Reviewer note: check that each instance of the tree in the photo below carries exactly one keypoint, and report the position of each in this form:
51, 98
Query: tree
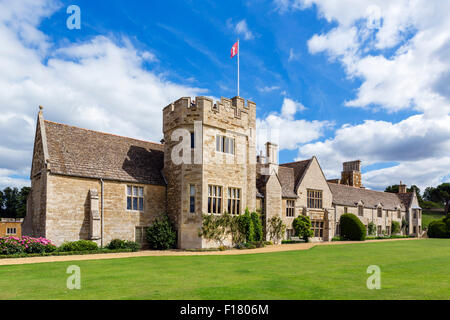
276, 229
440, 194
395, 187
10, 202
302, 227
13, 203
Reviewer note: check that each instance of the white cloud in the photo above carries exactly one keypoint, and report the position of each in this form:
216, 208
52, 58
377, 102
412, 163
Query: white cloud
99, 84
287, 132
241, 28
399, 51
290, 108
412, 142
268, 89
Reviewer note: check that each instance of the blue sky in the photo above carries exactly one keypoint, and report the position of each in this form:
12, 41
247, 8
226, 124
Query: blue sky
336, 88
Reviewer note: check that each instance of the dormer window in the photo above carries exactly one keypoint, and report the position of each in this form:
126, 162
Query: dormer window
360, 210
380, 212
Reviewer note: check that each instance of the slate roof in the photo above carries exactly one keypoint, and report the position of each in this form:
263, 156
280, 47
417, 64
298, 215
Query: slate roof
86, 153
350, 196
406, 198
287, 180
299, 167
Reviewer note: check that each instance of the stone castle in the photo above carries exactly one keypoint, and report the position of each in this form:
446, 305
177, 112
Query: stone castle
98, 186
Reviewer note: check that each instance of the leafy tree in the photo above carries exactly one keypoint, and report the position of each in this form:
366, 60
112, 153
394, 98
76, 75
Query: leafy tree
276, 229
13, 203
302, 227
439, 194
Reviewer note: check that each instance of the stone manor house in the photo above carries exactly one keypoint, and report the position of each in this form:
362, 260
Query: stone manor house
92, 185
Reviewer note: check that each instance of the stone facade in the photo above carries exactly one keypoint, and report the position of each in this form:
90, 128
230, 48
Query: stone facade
207, 163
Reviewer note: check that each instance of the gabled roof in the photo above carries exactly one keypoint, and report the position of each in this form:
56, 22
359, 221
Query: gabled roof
85, 153
406, 198
350, 196
299, 168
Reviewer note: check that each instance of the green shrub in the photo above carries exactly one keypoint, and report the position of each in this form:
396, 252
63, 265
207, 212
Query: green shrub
257, 227
437, 229
371, 228
395, 227
161, 235
302, 227
292, 241
80, 245
352, 228
246, 227
123, 244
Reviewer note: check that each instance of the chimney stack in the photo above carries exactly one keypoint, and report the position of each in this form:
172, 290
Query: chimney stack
351, 173
401, 188
272, 153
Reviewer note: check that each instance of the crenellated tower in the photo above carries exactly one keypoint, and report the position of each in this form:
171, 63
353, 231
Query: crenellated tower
209, 161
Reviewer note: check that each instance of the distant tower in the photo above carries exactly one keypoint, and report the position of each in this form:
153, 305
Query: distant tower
221, 175
351, 174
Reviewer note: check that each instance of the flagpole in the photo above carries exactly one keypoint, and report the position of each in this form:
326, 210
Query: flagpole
239, 49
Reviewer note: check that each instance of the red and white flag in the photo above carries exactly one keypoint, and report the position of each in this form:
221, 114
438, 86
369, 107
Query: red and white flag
234, 49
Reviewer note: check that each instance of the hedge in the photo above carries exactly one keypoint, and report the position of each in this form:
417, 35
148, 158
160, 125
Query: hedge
352, 228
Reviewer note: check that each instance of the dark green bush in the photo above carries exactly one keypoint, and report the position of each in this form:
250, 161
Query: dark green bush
123, 244
302, 227
80, 245
161, 235
352, 228
437, 229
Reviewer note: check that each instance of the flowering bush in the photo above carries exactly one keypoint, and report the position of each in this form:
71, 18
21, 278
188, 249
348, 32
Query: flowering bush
14, 245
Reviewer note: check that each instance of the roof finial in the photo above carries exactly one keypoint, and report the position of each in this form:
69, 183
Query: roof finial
41, 108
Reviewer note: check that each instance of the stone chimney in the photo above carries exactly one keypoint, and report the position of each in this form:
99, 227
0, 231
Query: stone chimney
351, 173
401, 188
272, 153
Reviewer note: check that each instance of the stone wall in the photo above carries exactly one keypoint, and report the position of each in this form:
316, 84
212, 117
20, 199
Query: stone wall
68, 209
370, 215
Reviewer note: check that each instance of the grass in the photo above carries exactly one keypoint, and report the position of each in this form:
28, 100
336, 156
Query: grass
412, 269
428, 216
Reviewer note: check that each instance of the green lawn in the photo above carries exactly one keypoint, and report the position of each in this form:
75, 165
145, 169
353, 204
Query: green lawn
413, 269
428, 216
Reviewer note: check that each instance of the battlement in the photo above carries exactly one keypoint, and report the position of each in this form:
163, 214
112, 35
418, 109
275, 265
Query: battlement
233, 112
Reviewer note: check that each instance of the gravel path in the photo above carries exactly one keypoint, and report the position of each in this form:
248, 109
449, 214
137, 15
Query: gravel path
154, 253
